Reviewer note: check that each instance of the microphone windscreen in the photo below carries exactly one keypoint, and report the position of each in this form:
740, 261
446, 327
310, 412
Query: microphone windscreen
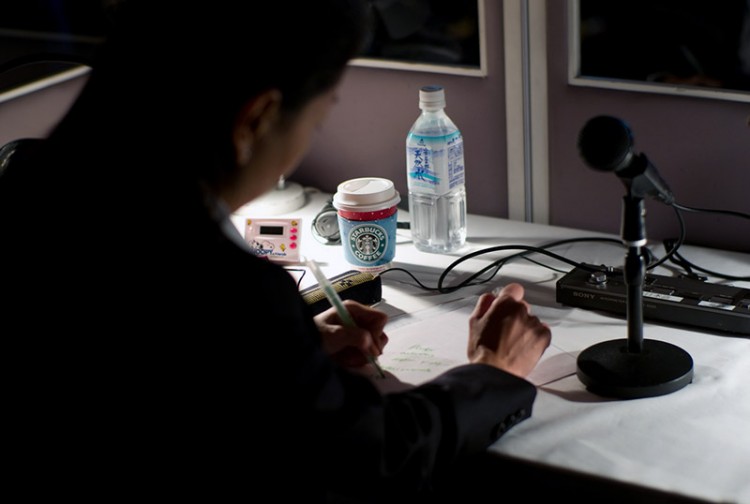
605, 143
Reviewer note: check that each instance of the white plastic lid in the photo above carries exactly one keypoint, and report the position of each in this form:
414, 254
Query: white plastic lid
365, 194
431, 97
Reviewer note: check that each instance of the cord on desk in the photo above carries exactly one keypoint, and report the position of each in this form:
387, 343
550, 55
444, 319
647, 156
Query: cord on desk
730, 213
299, 280
493, 268
673, 244
671, 247
688, 266
475, 279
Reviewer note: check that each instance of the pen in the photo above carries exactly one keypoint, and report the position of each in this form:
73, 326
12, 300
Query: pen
335, 300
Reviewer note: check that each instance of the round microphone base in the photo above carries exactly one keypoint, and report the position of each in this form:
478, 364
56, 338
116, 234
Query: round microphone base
609, 369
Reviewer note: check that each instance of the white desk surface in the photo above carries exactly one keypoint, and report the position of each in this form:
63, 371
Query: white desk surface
694, 442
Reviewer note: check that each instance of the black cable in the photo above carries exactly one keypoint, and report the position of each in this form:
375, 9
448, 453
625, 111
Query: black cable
299, 280
418, 282
496, 265
688, 266
672, 249
538, 263
713, 273
524, 255
671, 246
502, 261
730, 213
675, 257
685, 265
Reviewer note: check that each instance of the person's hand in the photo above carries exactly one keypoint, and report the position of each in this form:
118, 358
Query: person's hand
350, 346
503, 334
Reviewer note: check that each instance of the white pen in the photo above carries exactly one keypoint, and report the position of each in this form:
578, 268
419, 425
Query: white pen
336, 302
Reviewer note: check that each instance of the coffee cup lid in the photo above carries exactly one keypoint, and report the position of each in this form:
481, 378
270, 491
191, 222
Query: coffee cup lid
365, 194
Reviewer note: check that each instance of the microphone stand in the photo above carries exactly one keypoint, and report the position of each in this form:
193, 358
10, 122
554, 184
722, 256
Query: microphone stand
634, 236
634, 367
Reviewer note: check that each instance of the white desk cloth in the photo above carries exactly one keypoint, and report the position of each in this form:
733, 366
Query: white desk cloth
694, 442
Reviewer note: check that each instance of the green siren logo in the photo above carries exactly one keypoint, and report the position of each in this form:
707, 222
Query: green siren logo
368, 242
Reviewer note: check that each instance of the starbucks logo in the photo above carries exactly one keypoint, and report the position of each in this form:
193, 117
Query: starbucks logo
368, 242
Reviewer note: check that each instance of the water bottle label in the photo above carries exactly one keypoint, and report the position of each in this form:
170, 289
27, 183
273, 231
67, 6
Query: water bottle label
435, 163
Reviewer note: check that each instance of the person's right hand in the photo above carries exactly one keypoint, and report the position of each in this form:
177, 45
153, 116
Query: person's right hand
350, 346
503, 334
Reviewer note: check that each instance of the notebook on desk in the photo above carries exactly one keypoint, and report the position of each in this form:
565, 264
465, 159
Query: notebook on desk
427, 343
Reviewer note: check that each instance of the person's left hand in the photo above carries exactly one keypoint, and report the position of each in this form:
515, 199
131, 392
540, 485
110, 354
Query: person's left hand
350, 346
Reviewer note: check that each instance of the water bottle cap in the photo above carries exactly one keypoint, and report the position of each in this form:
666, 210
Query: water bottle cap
431, 97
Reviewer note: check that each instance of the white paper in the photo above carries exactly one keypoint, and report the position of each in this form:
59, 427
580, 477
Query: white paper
436, 340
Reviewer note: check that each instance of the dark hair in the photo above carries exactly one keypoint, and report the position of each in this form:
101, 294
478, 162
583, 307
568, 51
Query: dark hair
177, 72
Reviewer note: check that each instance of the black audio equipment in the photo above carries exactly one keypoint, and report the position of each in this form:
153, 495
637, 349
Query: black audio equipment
676, 300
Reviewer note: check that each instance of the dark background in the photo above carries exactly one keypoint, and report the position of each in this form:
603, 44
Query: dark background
688, 42
33, 33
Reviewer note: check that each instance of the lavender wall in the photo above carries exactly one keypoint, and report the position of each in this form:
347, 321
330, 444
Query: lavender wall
366, 133
34, 114
700, 146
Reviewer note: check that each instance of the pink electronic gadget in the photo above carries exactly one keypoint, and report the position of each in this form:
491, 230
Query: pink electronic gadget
274, 239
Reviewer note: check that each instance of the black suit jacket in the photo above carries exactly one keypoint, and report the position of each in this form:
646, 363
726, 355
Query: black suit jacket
162, 359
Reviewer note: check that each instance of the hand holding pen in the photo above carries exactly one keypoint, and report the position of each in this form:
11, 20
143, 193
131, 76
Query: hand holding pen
351, 333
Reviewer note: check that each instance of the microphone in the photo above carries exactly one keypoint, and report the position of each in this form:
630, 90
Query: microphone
634, 367
606, 144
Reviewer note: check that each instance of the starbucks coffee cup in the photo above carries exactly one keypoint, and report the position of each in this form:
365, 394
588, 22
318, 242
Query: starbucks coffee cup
367, 213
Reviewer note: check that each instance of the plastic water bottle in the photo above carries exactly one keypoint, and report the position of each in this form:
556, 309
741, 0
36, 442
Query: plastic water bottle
435, 176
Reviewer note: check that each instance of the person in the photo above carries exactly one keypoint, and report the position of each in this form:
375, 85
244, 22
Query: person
156, 356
